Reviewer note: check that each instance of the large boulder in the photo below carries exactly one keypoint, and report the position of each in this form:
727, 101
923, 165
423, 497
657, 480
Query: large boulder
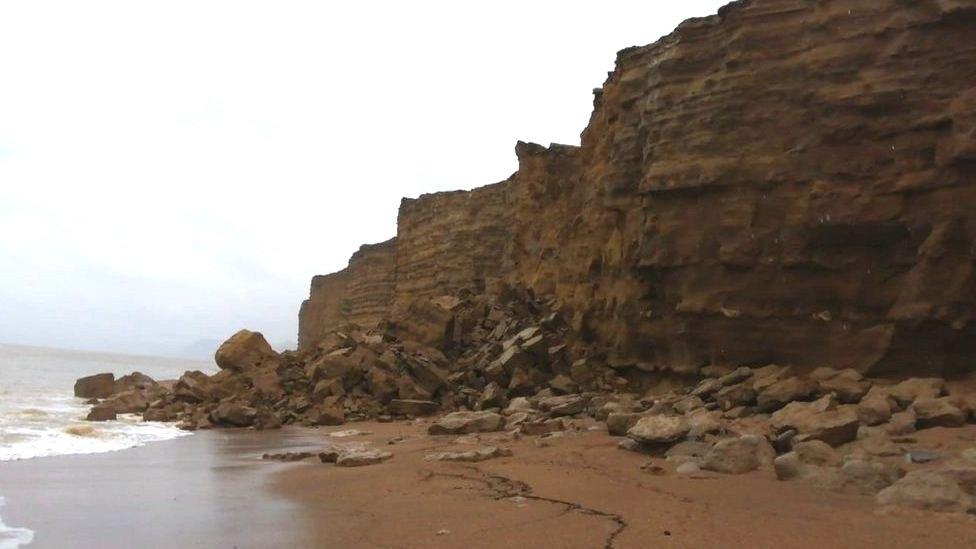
329, 412
361, 458
937, 412
849, 386
875, 407
659, 429
96, 386
458, 423
129, 402
944, 491
135, 380
739, 455
245, 350
429, 322
232, 414
618, 423
785, 391
101, 412
193, 386
914, 388
565, 405
818, 420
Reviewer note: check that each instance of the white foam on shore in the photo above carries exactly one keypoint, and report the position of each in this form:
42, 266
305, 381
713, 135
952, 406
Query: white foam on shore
41, 425
11, 537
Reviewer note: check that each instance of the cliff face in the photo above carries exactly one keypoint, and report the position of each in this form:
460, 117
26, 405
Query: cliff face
787, 181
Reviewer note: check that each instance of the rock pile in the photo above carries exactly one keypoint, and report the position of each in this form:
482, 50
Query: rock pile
464, 352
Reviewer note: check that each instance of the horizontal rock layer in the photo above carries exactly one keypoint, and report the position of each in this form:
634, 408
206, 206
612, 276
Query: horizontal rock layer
787, 181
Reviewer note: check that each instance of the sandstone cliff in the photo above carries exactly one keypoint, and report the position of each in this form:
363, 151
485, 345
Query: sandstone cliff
788, 181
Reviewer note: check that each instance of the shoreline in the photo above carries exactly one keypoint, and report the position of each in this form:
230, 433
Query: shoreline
575, 490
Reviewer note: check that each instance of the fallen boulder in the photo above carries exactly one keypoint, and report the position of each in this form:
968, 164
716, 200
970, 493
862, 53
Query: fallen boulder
233, 415
739, 455
937, 412
459, 423
102, 412
361, 458
243, 351
943, 491
470, 456
96, 386
659, 429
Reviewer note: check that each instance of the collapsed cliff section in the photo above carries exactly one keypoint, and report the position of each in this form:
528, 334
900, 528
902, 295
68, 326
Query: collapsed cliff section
784, 182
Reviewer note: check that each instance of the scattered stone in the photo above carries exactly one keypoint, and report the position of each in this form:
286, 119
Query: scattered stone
902, 423
659, 429
815, 421
937, 412
689, 448
788, 466
563, 385
544, 427
908, 391
817, 452
921, 456
361, 458
653, 468
849, 386
411, 407
943, 491
618, 424
233, 414
458, 423
875, 408
688, 468
348, 433
471, 456
631, 445
330, 412
566, 405
688, 404
783, 443
519, 404
868, 477
783, 392
703, 422
288, 456
738, 455
732, 396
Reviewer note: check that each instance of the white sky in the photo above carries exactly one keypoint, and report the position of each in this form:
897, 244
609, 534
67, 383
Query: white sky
171, 171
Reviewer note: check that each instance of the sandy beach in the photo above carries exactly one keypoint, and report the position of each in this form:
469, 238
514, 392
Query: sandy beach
580, 490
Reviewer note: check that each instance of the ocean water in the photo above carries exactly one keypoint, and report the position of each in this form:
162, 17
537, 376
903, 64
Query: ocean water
40, 416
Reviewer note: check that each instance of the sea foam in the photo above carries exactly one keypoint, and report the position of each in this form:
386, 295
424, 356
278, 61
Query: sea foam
53, 424
11, 537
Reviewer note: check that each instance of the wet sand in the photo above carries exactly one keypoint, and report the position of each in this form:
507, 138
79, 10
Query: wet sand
211, 490
206, 490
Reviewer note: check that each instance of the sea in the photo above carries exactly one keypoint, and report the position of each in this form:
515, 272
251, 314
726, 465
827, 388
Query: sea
40, 416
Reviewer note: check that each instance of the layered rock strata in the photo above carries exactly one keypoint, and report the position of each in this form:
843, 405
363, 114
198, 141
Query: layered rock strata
786, 181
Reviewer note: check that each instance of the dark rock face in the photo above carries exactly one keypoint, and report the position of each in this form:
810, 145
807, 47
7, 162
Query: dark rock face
96, 386
784, 182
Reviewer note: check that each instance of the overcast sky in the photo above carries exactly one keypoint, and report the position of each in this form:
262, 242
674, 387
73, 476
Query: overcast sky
173, 171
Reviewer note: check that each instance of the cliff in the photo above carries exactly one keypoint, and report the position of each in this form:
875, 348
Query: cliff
784, 182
